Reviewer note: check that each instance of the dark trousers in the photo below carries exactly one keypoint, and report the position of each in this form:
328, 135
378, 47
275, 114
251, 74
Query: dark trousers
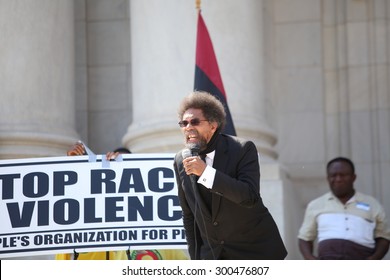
339, 249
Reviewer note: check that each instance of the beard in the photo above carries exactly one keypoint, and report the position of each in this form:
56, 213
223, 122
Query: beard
200, 143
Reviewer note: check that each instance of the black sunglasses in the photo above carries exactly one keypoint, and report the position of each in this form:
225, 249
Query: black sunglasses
193, 122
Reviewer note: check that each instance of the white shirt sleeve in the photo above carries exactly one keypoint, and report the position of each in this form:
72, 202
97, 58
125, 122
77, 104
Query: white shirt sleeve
207, 178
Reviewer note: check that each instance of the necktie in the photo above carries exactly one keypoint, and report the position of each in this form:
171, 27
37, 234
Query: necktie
203, 157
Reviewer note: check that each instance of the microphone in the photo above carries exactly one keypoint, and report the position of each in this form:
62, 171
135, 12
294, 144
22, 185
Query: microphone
186, 153
191, 151
194, 148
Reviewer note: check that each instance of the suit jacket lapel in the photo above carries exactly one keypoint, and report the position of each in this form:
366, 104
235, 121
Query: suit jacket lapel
221, 159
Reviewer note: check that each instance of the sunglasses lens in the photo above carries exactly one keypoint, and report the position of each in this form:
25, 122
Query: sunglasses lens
195, 122
183, 123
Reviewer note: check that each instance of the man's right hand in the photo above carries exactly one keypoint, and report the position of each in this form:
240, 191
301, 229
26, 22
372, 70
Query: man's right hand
76, 150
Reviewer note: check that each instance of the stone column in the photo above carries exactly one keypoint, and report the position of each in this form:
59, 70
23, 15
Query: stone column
237, 30
36, 78
163, 35
163, 63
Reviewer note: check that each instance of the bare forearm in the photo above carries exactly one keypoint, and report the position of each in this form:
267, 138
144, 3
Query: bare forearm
381, 248
306, 248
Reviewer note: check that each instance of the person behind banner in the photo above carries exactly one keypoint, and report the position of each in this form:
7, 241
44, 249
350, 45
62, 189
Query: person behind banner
78, 149
223, 213
346, 224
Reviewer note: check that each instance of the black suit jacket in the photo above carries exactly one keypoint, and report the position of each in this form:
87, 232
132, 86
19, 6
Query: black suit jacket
236, 225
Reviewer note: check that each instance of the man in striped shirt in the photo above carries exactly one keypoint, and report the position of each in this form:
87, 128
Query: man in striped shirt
345, 223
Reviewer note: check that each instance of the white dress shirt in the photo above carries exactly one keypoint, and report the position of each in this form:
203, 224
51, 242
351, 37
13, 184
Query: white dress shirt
208, 175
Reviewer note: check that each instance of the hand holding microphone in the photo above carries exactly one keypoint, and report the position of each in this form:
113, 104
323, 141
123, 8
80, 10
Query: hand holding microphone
193, 165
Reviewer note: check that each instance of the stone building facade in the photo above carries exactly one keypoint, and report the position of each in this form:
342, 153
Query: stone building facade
306, 80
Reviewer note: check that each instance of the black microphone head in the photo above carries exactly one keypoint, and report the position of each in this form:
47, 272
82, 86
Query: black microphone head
186, 153
194, 148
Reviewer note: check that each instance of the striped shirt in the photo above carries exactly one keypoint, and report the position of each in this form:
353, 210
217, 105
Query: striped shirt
360, 220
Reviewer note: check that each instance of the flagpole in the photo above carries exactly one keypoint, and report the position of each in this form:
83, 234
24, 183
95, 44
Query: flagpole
197, 5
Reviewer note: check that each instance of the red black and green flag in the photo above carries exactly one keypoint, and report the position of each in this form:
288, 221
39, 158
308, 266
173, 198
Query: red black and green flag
207, 76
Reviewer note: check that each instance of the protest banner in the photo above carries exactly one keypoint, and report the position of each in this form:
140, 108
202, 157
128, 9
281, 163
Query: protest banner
61, 204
